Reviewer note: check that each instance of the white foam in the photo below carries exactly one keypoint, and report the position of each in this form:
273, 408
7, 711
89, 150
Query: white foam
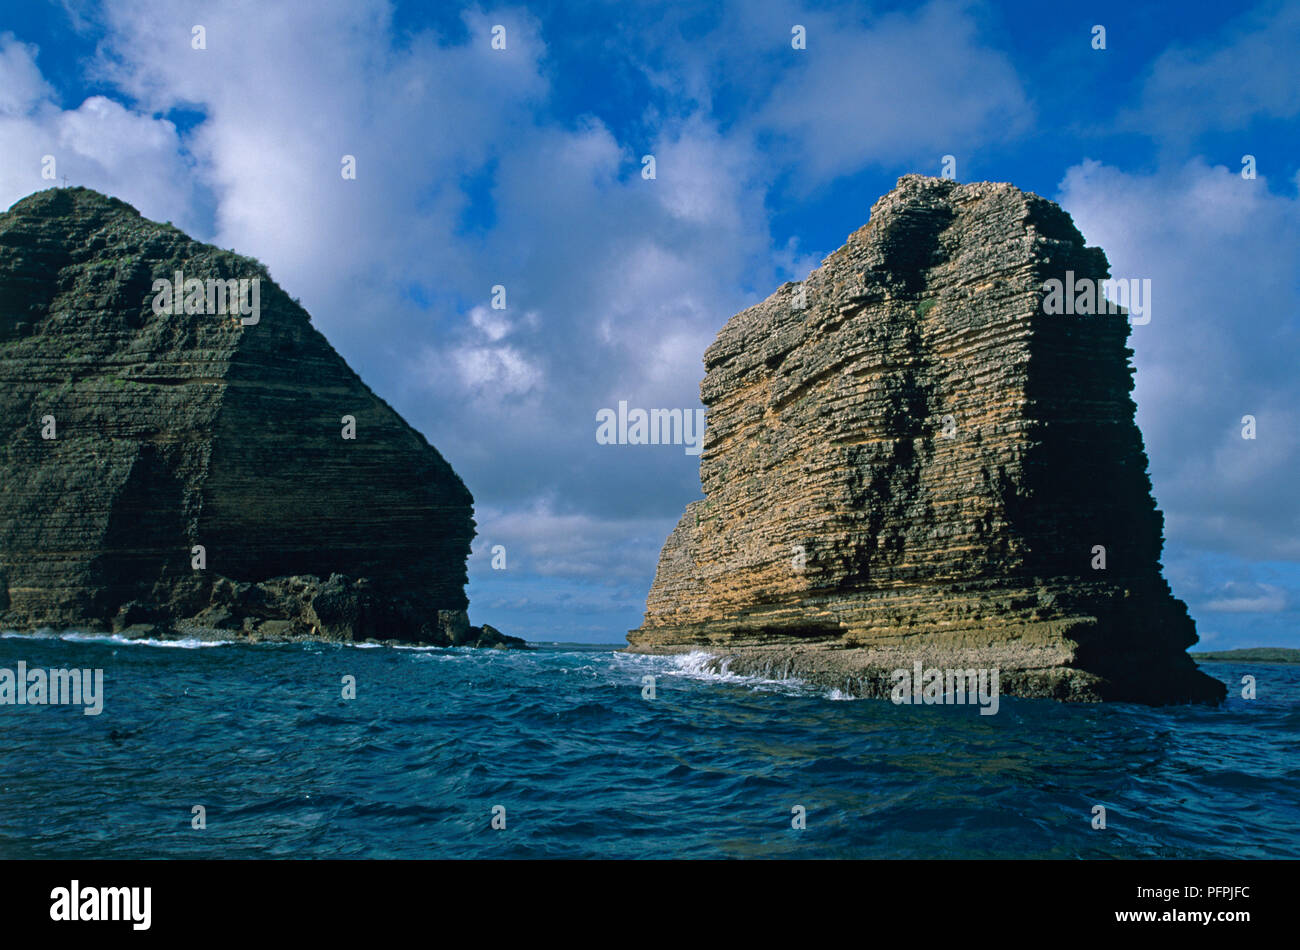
184, 643
116, 639
708, 667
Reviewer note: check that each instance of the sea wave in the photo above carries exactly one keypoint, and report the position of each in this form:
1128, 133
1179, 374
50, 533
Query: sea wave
703, 666
116, 639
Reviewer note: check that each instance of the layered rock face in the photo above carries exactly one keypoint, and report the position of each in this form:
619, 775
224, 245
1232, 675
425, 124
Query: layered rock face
129, 437
916, 463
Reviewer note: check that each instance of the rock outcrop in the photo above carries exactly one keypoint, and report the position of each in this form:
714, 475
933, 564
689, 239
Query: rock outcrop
192, 472
908, 460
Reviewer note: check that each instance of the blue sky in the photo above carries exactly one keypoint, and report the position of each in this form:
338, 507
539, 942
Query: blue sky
521, 167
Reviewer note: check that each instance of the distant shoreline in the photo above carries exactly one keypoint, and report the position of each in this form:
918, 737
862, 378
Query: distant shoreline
1252, 655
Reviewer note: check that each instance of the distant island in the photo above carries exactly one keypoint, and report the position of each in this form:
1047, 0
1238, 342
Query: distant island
183, 453
925, 453
1252, 655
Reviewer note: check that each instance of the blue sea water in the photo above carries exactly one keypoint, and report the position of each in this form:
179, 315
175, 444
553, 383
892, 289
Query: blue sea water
584, 766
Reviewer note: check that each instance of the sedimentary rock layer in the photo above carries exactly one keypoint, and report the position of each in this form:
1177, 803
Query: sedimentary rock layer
907, 459
129, 437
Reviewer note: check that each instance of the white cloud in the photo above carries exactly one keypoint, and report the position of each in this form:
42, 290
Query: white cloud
900, 87
22, 87
541, 540
1250, 70
501, 370
1223, 255
1248, 598
491, 323
101, 144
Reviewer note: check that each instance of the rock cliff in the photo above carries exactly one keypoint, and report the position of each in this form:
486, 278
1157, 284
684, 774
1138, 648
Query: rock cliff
193, 472
907, 459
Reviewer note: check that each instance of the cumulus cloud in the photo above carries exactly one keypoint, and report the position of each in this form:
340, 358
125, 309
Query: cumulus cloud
543, 540
1249, 71
1223, 256
101, 144
24, 87
502, 370
840, 108
1248, 598
872, 88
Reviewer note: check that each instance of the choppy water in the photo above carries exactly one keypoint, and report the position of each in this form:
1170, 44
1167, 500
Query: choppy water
584, 766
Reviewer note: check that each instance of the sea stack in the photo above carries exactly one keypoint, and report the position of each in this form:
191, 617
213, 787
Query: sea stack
913, 457
181, 452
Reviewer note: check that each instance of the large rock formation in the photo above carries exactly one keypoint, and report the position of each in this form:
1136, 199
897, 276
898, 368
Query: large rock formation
131, 438
921, 464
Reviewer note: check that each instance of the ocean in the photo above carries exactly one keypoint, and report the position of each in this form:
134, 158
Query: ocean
556, 753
